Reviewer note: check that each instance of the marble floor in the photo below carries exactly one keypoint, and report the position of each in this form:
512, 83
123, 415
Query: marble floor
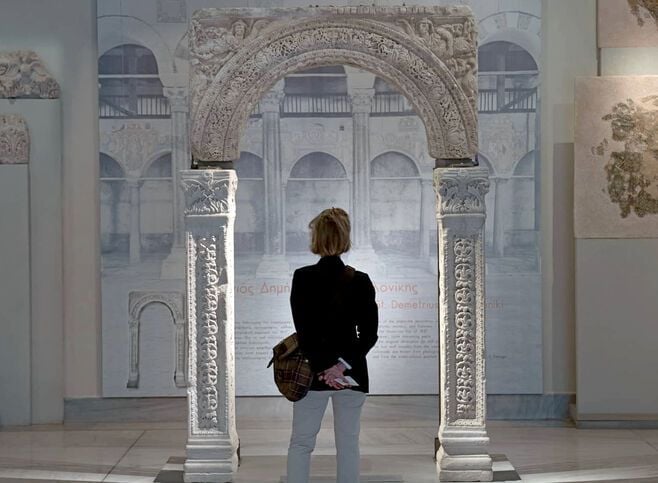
396, 444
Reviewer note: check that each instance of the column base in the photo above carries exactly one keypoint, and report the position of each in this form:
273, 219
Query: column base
273, 266
463, 455
366, 260
213, 460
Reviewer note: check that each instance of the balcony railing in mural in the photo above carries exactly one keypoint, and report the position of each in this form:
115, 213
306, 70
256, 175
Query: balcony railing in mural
387, 104
512, 100
149, 106
298, 105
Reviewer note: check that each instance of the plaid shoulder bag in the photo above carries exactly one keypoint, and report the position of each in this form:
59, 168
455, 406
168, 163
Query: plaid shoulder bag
292, 372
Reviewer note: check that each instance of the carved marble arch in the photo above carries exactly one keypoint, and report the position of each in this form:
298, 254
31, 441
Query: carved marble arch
412, 48
174, 302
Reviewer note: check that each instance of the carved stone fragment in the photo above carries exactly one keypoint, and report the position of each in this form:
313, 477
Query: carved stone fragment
14, 139
23, 75
463, 454
428, 53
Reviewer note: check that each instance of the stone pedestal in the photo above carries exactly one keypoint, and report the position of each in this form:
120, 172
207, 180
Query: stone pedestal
463, 454
212, 440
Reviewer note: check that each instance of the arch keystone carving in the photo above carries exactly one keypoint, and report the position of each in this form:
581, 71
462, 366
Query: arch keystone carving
428, 53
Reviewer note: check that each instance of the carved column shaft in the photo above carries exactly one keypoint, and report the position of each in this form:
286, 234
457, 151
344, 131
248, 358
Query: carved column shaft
274, 226
361, 107
463, 436
209, 219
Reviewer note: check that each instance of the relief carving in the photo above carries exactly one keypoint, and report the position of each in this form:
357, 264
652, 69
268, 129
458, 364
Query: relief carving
632, 174
23, 75
461, 191
465, 327
396, 43
213, 194
644, 9
14, 139
209, 278
213, 42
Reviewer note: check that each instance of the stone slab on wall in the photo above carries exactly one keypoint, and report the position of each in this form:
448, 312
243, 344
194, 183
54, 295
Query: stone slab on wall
627, 23
617, 330
616, 179
14, 296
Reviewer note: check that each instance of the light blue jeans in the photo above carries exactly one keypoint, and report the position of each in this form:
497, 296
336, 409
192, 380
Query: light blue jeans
306, 420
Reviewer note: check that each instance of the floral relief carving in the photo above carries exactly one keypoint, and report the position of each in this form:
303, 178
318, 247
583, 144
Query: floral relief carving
226, 89
213, 194
14, 139
644, 9
23, 75
462, 191
465, 320
632, 172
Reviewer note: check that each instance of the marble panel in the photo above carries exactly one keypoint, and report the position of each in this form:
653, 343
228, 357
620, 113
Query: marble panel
616, 169
627, 23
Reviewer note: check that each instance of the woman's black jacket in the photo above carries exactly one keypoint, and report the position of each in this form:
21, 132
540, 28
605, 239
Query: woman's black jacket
335, 316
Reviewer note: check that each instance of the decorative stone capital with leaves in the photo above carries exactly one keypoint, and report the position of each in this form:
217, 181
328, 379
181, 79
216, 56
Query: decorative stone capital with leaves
209, 192
23, 75
461, 190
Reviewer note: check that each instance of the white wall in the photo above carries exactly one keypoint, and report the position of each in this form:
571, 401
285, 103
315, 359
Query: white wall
569, 50
616, 303
63, 33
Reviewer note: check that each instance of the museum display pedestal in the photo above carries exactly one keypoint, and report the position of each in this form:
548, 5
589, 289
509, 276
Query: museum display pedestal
212, 441
460, 213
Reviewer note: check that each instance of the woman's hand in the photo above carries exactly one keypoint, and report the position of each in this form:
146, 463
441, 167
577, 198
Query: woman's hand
330, 376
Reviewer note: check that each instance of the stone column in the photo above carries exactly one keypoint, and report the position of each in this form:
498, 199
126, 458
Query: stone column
212, 440
460, 208
134, 243
273, 263
426, 215
173, 266
362, 253
361, 107
499, 220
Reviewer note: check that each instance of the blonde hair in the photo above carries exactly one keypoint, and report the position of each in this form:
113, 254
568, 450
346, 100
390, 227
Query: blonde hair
330, 232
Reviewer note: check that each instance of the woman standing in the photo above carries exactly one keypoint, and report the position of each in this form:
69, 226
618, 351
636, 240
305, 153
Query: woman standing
335, 315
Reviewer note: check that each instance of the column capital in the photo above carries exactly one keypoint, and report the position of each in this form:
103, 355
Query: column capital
271, 101
362, 99
209, 191
461, 190
177, 97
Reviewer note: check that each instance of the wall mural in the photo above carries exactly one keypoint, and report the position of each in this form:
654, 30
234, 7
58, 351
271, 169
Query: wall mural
313, 121
630, 23
616, 164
